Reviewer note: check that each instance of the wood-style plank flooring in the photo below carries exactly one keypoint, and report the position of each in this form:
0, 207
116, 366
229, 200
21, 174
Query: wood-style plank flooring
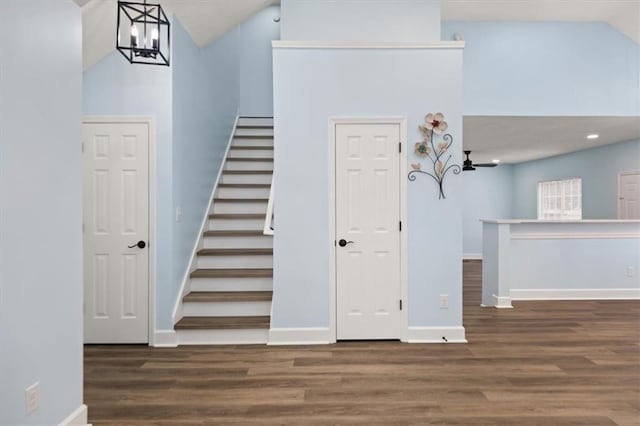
542, 363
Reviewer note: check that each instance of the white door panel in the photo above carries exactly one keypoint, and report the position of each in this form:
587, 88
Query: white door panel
368, 217
629, 196
116, 215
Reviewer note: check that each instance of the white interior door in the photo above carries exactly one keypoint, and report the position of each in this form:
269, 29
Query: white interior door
116, 216
368, 289
628, 195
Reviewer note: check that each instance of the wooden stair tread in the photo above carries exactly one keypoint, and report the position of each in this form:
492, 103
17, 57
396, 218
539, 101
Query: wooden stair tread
232, 273
222, 323
234, 232
228, 296
254, 126
251, 159
236, 216
257, 148
253, 136
236, 252
244, 185
240, 200
247, 172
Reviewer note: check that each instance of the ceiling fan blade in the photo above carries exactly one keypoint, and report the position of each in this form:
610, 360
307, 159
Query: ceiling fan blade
485, 165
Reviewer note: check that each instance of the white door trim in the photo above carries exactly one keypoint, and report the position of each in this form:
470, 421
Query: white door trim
333, 122
627, 173
151, 126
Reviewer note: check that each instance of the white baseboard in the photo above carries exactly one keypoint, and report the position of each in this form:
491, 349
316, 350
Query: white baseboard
77, 418
300, 336
436, 334
502, 302
472, 256
165, 339
576, 294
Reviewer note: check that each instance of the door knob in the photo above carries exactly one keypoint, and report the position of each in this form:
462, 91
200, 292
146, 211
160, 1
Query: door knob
140, 244
344, 242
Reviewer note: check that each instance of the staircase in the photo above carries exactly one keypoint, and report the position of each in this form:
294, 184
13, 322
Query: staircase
229, 301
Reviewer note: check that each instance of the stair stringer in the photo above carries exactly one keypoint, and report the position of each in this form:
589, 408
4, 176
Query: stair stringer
185, 287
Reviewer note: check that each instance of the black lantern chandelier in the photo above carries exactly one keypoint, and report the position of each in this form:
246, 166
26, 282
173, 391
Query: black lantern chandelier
143, 33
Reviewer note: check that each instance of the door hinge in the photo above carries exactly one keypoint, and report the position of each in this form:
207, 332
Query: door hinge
400, 304
82, 146
399, 146
400, 225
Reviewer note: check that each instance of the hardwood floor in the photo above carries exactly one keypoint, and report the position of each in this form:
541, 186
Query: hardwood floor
542, 363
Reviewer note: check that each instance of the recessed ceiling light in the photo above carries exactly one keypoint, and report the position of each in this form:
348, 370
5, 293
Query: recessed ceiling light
593, 136
496, 161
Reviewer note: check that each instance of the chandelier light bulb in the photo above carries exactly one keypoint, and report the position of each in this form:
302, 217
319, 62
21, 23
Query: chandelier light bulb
154, 39
134, 36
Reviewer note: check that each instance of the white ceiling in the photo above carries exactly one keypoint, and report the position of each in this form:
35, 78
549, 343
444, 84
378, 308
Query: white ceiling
511, 139
206, 20
518, 139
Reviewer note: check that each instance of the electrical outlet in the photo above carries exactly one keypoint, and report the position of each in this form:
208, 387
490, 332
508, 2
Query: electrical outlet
32, 397
444, 301
630, 271
178, 213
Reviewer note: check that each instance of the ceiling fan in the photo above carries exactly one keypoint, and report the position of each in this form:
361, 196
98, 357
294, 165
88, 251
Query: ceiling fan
468, 164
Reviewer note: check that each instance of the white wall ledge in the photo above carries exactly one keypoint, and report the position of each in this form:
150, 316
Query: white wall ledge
295, 44
577, 222
564, 260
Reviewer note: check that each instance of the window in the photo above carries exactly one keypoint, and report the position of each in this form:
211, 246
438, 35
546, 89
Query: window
560, 200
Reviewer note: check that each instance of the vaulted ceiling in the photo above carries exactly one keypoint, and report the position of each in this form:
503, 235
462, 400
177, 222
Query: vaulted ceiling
206, 20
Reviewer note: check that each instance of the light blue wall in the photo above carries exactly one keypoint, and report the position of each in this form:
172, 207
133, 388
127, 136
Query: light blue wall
591, 263
550, 68
40, 209
339, 82
256, 62
195, 102
486, 194
115, 87
598, 168
205, 103
361, 20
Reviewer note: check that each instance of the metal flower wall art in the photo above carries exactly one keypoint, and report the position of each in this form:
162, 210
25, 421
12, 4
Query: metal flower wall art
432, 130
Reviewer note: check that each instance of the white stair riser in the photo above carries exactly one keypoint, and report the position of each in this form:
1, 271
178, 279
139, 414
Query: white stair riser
258, 121
261, 178
231, 262
236, 224
252, 142
251, 153
242, 192
226, 309
262, 241
239, 208
254, 132
248, 165
223, 337
231, 284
